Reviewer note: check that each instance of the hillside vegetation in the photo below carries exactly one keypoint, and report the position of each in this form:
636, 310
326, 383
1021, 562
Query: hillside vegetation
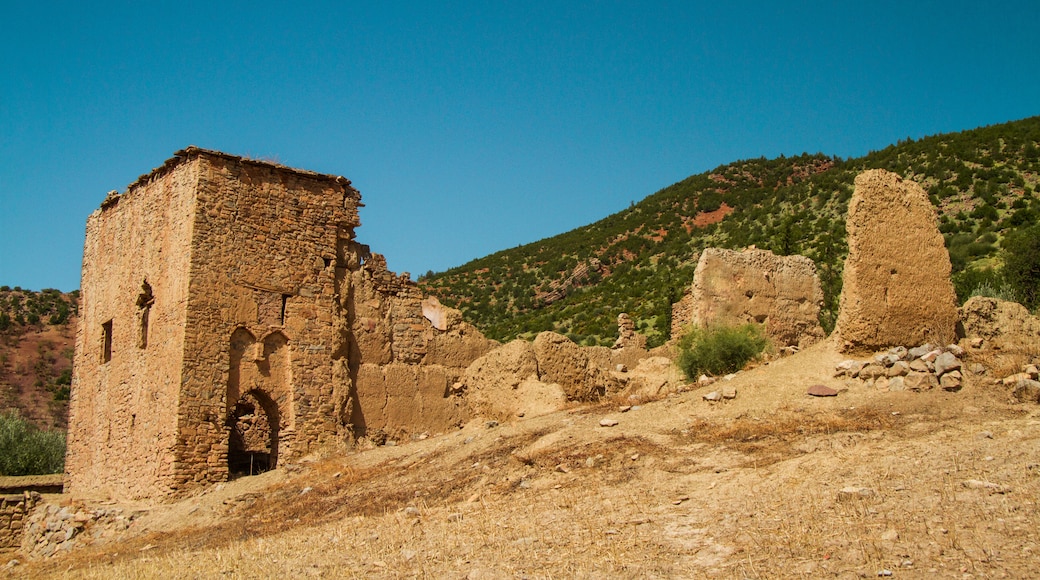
37, 339
639, 261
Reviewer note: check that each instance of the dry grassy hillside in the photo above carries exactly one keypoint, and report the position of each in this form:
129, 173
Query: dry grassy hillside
773, 483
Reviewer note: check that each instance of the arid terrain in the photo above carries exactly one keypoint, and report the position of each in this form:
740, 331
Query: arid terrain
772, 483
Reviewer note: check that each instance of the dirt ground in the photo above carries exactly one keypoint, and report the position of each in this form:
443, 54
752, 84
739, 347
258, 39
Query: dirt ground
773, 483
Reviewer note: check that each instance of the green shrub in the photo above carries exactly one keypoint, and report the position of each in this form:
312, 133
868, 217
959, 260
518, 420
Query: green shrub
1022, 264
26, 450
990, 290
719, 350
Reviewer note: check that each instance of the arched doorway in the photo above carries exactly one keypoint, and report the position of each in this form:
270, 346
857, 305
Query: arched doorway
259, 407
253, 439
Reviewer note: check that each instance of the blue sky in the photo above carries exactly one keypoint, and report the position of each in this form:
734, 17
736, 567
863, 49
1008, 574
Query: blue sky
472, 127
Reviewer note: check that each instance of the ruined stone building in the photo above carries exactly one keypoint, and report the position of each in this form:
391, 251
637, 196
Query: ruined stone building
231, 322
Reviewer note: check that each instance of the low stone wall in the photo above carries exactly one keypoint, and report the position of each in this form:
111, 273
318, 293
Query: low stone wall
14, 513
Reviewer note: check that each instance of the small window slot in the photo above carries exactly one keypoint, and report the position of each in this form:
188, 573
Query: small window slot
106, 342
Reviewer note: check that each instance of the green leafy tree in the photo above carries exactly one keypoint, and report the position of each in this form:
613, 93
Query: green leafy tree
26, 450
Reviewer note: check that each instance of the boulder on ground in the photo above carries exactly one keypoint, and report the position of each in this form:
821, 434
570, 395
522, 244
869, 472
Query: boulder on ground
896, 286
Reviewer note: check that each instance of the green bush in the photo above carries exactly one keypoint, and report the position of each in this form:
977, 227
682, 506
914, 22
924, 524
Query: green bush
719, 350
26, 450
1022, 264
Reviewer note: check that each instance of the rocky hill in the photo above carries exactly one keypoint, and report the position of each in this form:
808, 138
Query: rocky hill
37, 341
984, 183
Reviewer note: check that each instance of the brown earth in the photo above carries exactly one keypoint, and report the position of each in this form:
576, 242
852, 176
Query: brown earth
31, 357
773, 483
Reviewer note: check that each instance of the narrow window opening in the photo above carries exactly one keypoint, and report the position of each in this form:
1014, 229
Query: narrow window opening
144, 307
281, 316
106, 342
328, 261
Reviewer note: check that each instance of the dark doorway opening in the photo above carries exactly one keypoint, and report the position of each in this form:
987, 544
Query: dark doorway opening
253, 441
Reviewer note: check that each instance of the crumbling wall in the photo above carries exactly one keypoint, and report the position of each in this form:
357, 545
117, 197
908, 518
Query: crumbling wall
896, 287
411, 352
782, 293
14, 513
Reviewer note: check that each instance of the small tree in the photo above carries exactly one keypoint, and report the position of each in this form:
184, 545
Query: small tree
26, 450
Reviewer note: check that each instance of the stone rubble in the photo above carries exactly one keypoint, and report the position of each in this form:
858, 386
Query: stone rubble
1025, 386
54, 529
920, 368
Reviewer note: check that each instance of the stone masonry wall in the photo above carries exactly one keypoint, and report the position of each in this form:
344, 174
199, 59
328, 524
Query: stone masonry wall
14, 513
123, 409
255, 296
265, 250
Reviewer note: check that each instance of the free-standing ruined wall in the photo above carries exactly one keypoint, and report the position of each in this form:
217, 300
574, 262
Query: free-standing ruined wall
782, 293
896, 287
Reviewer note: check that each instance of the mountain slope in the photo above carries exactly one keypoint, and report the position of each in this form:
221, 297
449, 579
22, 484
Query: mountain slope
640, 260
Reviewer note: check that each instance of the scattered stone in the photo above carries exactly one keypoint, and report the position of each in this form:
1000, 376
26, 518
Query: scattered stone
822, 391
412, 511
608, 422
491, 424
976, 342
986, 485
946, 362
920, 366
1027, 391
855, 493
1015, 379
1032, 371
931, 356
621, 368
985, 435
896, 384
872, 371
713, 396
899, 351
919, 351
705, 381
729, 392
885, 572
955, 350
624, 408
898, 369
881, 384
976, 369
